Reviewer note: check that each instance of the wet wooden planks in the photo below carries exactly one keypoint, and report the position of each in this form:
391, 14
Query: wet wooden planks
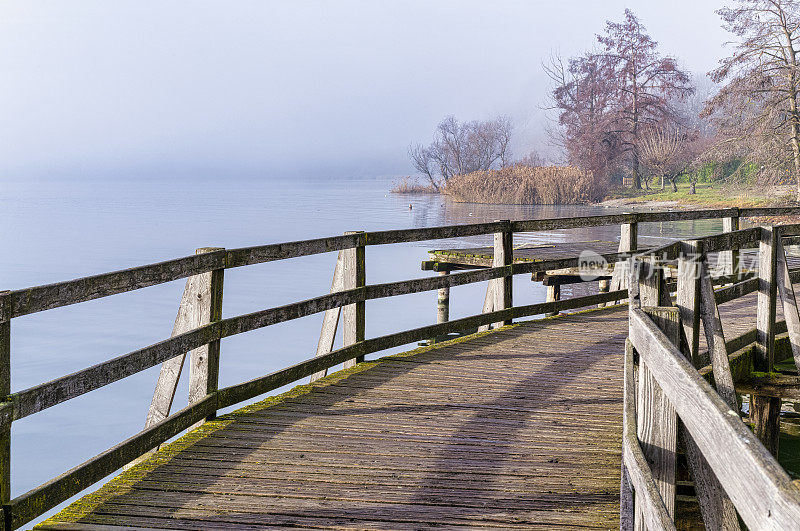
519, 427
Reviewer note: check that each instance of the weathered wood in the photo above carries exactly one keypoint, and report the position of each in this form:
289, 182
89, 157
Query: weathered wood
767, 292
717, 509
204, 360
728, 261
771, 385
281, 251
330, 321
257, 386
488, 305
759, 487
628, 241
46, 395
688, 295
503, 256
33, 503
553, 294
39, 298
443, 303
650, 506
715, 339
790, 309
765, 414
5, 414
167, 383
768, 211
354, 314
656, 422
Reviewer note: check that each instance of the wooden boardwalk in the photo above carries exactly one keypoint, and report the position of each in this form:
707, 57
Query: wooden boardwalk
520, 427
515, 428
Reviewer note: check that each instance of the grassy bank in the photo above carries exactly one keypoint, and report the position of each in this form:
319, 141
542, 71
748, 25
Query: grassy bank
708, 195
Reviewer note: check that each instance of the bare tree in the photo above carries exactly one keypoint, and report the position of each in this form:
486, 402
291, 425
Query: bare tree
606, 97
423, 162
757, 110
645, 81
460, 148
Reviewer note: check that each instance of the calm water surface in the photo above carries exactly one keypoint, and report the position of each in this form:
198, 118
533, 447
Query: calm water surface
56, 231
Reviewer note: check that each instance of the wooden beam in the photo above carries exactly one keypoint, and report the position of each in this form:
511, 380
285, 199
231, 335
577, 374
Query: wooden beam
767, 290
488, 305
503, 256
790, 309
650, 507
715, 339
330, 321
443, 302
765, 414
553, 295
656, 422
688, 295
729, 260
204, 360
772, 385
354, 314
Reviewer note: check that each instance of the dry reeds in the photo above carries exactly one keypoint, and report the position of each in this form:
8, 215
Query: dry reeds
525, 185
410, 185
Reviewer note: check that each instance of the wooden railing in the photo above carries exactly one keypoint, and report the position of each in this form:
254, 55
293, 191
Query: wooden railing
667, 378
200, 327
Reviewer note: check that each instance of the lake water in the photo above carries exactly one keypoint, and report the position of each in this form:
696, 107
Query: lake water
57, 231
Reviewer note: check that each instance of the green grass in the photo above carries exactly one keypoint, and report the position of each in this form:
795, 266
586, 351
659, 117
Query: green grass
707, 194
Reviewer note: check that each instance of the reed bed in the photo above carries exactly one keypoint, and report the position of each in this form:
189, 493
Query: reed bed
410, 185
526, 185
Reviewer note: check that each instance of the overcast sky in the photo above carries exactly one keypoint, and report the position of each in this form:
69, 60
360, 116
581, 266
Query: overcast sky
173, 88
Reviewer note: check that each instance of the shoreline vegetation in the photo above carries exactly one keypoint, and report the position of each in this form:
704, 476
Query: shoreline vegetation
569, 185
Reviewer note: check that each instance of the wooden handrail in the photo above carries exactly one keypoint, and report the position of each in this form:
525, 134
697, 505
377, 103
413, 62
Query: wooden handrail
761, 490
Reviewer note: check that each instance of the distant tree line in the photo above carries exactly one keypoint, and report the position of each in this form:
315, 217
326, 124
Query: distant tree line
625, 109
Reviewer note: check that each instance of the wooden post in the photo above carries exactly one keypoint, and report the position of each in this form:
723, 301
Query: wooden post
628, 241
204, 361
765, 415
729, 260
656, 421
602, 287
330, 321
354, 314
488, 304
503, 256
553, 295
5, 416
767, 289
688, 295
443, 302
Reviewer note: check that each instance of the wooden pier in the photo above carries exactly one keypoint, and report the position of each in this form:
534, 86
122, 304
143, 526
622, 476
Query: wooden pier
527, 425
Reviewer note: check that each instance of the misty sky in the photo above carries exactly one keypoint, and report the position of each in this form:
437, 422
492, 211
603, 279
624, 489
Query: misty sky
172, 88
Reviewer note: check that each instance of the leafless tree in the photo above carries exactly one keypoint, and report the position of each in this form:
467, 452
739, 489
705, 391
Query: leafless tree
459, 148
606, 97
757, 110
